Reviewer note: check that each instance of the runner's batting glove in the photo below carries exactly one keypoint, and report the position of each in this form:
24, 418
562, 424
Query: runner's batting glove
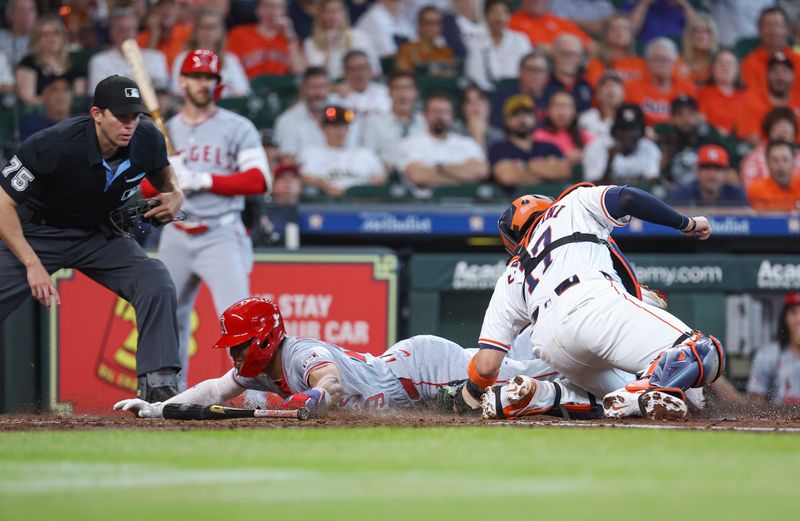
189, 180
313, 399
140, 408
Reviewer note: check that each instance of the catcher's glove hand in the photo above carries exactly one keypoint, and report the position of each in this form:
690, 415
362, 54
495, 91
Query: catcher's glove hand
126, 219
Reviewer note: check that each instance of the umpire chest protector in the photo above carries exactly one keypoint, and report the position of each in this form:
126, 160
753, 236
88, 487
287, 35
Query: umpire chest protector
59, 177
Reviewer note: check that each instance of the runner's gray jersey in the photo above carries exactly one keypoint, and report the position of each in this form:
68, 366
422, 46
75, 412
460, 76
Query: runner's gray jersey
213, 146
366, 380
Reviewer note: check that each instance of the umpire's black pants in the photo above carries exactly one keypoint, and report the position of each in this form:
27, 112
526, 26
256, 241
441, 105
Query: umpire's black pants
119, 264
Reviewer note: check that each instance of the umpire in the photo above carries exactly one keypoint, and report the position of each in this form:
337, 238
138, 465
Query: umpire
58, 193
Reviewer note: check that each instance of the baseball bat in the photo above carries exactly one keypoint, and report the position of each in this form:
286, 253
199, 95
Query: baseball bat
132, 53
189, 411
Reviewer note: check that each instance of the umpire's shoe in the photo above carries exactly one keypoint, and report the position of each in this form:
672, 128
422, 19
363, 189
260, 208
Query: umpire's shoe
157, 386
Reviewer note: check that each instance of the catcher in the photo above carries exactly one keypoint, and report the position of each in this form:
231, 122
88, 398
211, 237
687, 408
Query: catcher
310, 373
567, 278
57, 195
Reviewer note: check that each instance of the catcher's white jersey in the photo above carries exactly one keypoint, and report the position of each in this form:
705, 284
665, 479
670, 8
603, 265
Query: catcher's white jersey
213, 146
585, 325
514, 300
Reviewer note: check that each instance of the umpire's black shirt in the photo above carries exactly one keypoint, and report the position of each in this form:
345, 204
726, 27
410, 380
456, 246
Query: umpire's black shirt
59, 178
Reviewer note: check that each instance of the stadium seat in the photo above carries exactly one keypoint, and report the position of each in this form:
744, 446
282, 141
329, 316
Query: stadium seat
387, 65
451, 86
744, 46
385, 192
468, 192
239, 105
271, 96
548, 189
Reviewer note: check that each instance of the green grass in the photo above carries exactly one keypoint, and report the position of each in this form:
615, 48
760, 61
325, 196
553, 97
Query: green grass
409, 474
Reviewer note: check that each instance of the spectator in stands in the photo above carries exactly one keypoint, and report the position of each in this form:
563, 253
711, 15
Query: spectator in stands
519, 160
332, 38
439, 156
302, 14
542, 27
208, 32
381, 132
736, 19
780, 192
48, 59
534, 75
6, 76
560, 127
496, 52
123, 25
476, 111
722, 95
298, 126
461, 26
359, 90
779, 124
568, 55
709, 187
269, 46
656, 90
626, 156
21, 15
163, 31
386, 27
609, 95
333, 166
653, 19
773, 32
426, 56
287, 184
56, 103
590, 15
617, 52
775, 373
680, 139
781, 78
699, 45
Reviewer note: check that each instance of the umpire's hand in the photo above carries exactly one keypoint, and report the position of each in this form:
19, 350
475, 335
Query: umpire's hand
42, 287
170, 204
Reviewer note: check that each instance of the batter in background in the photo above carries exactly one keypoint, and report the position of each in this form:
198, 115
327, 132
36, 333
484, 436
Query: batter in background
219, 161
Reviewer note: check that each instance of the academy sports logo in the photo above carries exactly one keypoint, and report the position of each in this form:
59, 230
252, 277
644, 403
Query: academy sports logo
130, 92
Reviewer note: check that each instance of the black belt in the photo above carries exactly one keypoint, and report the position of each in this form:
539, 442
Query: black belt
561, 288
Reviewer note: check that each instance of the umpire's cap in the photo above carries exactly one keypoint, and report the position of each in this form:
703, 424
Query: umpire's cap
120, 95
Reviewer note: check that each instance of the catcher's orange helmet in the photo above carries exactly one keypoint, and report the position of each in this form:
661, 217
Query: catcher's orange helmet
515, 221
255, 320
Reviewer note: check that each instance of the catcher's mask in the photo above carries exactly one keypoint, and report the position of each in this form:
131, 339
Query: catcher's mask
255, 320
515, 221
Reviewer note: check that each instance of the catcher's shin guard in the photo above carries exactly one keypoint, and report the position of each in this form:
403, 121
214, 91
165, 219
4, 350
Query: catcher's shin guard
698, 361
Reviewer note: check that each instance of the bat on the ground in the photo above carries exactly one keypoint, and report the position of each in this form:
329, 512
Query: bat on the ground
188, 411
132, 53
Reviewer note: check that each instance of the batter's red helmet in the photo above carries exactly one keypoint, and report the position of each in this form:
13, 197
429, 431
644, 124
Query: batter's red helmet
257, 320
201, 60
515, 221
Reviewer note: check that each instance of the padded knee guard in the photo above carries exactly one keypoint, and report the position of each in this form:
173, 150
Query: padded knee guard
698, 361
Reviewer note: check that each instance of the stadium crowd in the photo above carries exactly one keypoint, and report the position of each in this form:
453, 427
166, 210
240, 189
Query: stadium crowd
694, 100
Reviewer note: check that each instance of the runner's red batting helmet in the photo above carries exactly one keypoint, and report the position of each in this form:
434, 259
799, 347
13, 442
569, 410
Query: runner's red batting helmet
255, 320
201, 60
515, 221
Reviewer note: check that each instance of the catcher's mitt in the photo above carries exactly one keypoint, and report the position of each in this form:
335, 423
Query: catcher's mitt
126, 219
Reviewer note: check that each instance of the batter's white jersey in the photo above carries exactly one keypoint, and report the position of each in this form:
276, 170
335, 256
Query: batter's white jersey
411, 371
215, 146
585, 325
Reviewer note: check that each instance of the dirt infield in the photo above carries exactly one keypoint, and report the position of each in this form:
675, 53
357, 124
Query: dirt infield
726, 421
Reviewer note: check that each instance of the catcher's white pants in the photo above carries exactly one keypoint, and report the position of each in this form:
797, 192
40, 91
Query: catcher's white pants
595, 333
